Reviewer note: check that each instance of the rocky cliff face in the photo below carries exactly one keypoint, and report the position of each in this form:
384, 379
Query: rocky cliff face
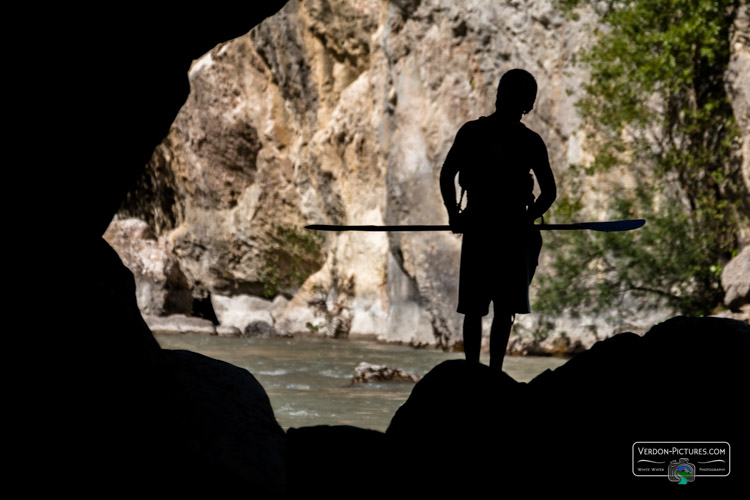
342, 112
738, 82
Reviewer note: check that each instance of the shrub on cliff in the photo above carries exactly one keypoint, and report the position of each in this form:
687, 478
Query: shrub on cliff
664, 140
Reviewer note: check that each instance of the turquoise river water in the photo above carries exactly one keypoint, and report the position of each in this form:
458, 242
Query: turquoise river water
308, 380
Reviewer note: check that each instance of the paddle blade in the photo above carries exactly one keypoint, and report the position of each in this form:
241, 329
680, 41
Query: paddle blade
606, 226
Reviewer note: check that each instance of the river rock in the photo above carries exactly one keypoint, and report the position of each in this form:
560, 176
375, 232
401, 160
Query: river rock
161, 287
251, 315
365, 373
179, 323
735, 278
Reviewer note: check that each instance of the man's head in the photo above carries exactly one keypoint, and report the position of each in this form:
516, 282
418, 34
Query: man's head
516, 92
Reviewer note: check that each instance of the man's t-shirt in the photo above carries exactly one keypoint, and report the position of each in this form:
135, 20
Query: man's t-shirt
494, 162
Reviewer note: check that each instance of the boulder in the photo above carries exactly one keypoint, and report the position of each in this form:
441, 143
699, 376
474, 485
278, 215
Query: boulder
174, 422
251, 315
223, 413
365, 372
161, 287
735, 278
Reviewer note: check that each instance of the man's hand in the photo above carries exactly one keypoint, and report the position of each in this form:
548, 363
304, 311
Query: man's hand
531, 217
456, 221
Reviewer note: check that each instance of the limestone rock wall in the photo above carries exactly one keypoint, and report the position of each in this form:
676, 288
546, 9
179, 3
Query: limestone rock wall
342, 112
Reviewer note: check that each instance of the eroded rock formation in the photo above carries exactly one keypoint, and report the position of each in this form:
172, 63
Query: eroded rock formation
161, 287
342, 112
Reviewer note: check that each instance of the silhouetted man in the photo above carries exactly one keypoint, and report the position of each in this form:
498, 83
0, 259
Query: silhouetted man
494, 157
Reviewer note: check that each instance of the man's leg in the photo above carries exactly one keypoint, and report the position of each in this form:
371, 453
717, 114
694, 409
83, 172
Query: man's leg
499, 335
472, 337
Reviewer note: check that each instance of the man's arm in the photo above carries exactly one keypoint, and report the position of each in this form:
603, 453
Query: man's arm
448, 187
448, 178
546, 180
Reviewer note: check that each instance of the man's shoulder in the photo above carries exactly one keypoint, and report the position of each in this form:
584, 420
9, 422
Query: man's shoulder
475, 128
473, 124
532, 135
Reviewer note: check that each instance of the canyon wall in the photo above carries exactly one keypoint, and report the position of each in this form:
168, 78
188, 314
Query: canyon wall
342, 112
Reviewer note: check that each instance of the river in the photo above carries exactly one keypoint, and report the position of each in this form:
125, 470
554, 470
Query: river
308, 379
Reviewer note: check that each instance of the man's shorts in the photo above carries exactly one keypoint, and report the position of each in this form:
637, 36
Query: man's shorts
497, 268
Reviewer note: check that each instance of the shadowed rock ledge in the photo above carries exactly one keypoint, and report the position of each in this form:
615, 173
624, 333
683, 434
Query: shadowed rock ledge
572, 429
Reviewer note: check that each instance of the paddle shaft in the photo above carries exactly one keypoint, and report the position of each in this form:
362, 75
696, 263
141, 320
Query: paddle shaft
608, 226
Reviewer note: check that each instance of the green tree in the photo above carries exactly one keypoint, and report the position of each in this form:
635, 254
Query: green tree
656, 115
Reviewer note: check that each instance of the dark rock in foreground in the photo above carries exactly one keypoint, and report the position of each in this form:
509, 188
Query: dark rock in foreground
183, 423
340, 462
573, 429
225, 416
116, 414
169, 421
469, 432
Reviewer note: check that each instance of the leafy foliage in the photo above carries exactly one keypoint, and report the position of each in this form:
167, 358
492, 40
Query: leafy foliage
664, 138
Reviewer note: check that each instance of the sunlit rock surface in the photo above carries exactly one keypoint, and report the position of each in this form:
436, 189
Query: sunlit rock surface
342, 112
736, 281
178, 324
